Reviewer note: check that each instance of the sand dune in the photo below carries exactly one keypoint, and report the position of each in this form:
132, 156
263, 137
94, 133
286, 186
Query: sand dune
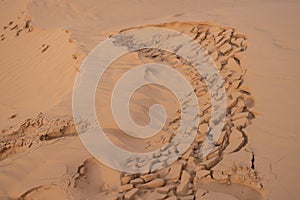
255, 47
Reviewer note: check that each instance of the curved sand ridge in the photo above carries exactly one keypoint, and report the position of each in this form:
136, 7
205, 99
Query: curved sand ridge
231, 163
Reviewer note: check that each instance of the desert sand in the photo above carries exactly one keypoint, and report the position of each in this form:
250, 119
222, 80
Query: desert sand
255, 46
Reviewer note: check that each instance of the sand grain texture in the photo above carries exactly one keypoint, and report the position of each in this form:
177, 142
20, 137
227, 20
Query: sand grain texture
42, 44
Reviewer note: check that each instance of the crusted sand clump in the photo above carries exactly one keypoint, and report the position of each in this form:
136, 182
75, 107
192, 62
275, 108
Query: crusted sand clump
231, 162
33, 133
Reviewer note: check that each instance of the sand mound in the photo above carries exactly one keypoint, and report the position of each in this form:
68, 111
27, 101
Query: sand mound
233, 160
231, 164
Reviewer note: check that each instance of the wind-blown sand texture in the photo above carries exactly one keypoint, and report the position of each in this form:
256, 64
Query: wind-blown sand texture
42, 45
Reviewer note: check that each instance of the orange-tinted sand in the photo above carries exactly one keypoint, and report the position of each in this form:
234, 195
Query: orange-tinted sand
42, 45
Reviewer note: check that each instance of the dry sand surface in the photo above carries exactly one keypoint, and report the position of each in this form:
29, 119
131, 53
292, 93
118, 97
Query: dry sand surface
255, 46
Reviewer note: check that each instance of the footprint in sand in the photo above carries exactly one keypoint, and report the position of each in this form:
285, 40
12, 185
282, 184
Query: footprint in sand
44, 48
